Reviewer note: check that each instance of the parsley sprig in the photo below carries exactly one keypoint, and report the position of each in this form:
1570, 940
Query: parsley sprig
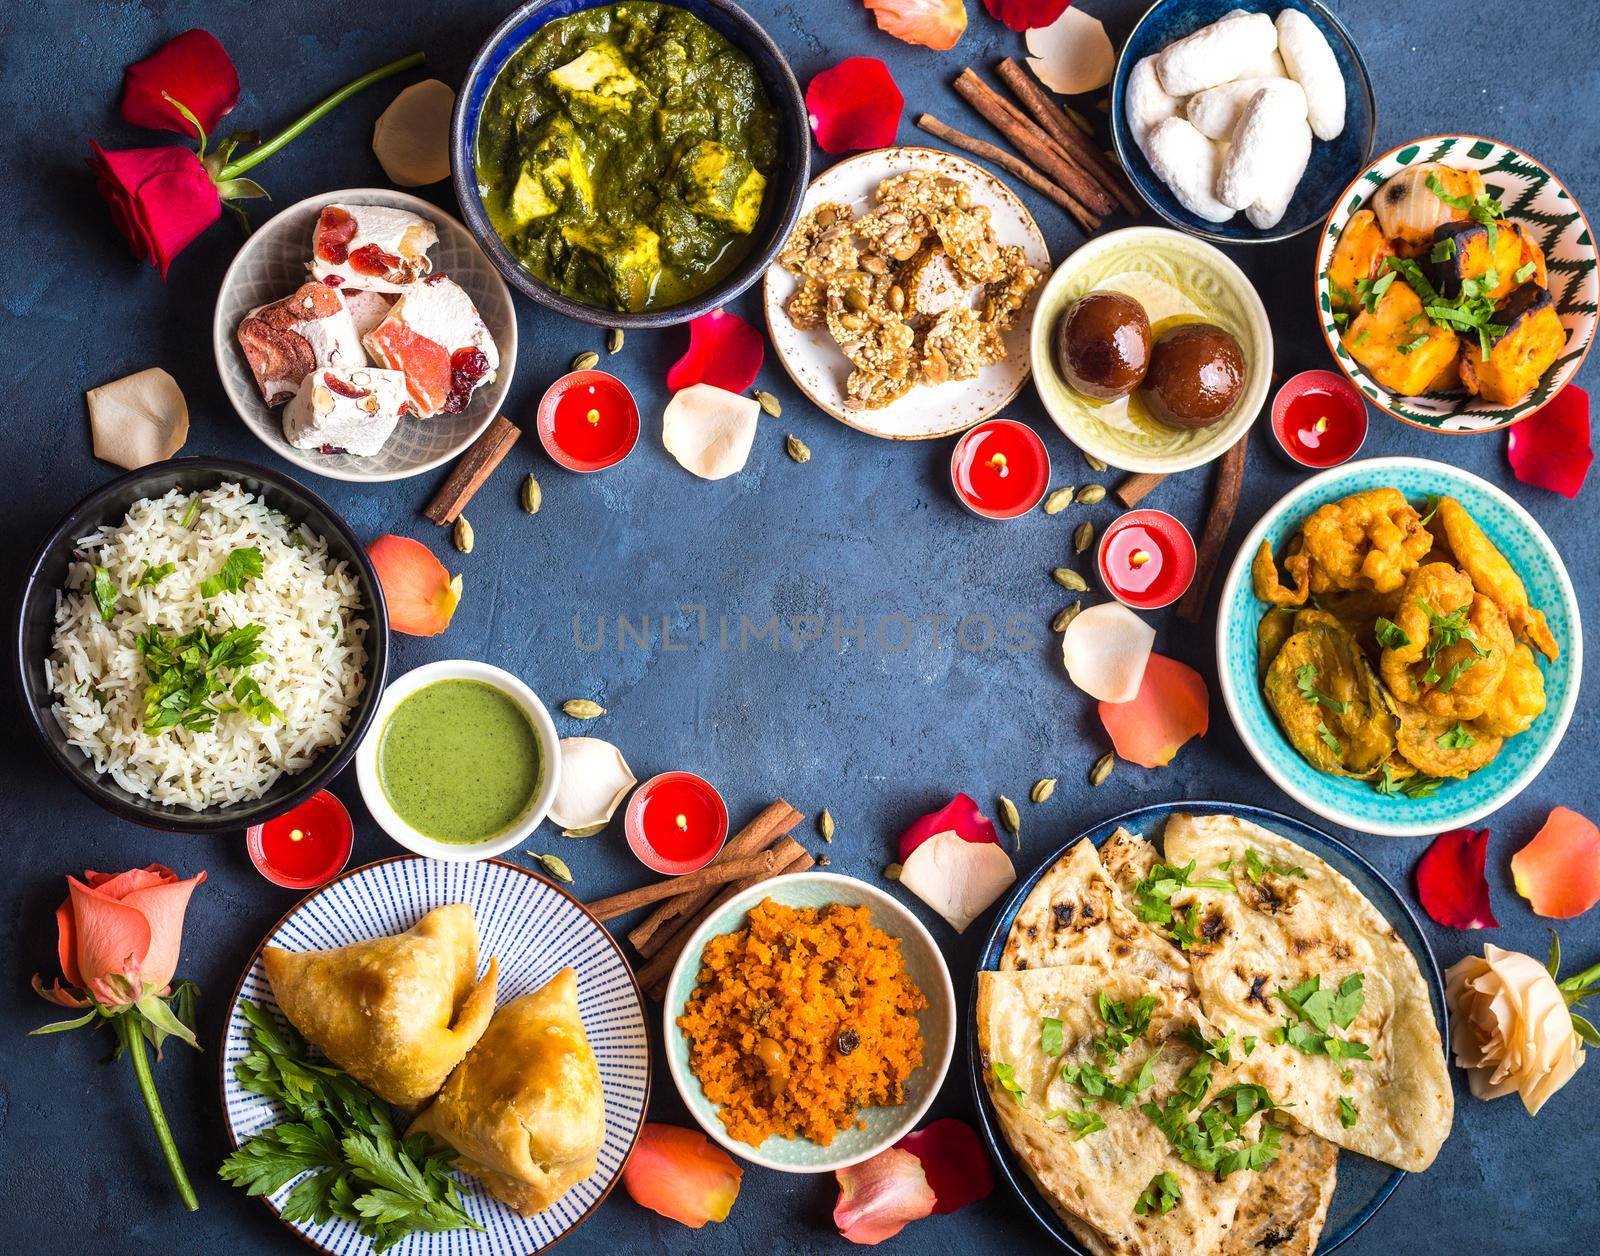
239, 566
1319, 1011
1213, 1141
1256, 867
1414, 786
344, 1139
1161, 1196
1306, 679
1152, 900
200, 675
1483, 207
1445, 631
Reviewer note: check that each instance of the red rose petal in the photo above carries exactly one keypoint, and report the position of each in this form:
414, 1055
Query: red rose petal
682, 1175
878, 1197
959, 816
160, 198
724, 350
419, 592
1559, 871
191, 68
1172, 706
956, 1165
936, 24
1551, 448
1450, 880
1021, 15
854, 105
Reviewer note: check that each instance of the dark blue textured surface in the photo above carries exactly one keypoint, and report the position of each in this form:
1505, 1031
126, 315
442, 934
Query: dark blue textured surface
864, 531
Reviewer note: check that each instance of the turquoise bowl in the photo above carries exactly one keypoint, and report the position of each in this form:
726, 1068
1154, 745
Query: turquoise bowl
1354, 803
882, 1127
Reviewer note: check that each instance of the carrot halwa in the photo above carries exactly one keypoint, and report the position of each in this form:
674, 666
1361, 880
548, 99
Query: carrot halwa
800, 1020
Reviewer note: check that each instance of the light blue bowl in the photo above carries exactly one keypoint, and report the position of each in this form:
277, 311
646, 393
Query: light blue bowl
1363, 1184
1355, 803
1334, 163
883, 1127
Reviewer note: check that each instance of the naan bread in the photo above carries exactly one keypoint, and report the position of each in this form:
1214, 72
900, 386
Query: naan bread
1076, 915
1286, 1204
395, 1013
1094, 1181
1274, 934
524, 1111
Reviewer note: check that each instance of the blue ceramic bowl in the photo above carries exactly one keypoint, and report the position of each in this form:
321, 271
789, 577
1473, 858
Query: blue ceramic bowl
1334, 163
1363, 1184
1356, 803
786, 187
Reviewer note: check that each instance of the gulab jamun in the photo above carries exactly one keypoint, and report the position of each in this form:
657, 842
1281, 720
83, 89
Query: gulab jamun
1196, 375
1103, 345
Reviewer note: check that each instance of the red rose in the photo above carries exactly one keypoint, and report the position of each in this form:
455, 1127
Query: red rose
160, 198
192, 69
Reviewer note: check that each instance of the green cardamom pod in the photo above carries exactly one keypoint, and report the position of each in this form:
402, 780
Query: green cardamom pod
1089, 494
1083, 536
532, 495
614, 341
586, 360
1058, 501
796, 448
1095, 464
583, 709
892, 872
588, 830
1102, 769
825, 825
1042, 789
768, 402
1009, 816
462, 534
1065, 616
557, 867
1070, 580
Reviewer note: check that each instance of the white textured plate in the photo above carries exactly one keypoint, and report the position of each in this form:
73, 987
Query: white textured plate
272, 264
536, 930
814, 361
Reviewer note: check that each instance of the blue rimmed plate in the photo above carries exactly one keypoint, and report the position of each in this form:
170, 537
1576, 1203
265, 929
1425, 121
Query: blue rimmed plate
1363, 1184
536, 930
1353, 802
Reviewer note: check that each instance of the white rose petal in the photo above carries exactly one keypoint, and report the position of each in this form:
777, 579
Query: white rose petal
412, 136
1105, 650
594, 780
1073, 54
709, 430
138, 419
958, 879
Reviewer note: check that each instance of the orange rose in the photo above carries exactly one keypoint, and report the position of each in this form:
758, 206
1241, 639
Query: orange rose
119, 935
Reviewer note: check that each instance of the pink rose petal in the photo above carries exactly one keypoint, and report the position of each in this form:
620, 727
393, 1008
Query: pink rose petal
954, 1161
724, 351
878, 1197
959, 816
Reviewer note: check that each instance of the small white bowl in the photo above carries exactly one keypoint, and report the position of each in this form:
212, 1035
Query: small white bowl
378, 802
272, 264
883, 1126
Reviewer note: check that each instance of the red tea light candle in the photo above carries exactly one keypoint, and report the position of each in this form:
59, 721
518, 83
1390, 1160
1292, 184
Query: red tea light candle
303, 848
1147, 559
1000, 469
1319, 419
676, 823
588, 421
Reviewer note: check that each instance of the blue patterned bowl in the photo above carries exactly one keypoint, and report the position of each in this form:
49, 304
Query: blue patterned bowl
536, 930
1363, 1184
1333, 162
882, 1127
1355, 803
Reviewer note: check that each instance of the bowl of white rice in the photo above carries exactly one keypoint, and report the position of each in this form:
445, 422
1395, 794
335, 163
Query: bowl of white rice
201, 644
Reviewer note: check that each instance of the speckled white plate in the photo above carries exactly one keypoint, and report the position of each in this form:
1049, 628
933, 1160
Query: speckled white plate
813, 360
1148, 263
272, 264
881, 1127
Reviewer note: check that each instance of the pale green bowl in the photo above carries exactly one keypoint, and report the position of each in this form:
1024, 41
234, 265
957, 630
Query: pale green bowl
883, 1127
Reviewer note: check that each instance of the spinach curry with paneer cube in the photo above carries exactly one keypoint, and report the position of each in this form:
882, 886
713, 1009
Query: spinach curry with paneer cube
624, 154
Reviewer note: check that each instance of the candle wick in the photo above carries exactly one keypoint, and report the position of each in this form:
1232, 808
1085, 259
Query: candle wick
593, 417
1322, 424
296, 835
1140, 557
998, 463
682, 821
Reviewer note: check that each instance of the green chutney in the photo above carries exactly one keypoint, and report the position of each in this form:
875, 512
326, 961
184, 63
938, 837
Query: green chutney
459, 761
624, 153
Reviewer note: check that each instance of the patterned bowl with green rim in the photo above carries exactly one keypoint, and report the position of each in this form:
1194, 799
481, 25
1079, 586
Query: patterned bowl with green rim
1356, 803
881, 1127
1532, 196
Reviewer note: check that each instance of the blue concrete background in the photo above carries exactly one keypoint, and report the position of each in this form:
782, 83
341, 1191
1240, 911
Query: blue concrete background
865, 529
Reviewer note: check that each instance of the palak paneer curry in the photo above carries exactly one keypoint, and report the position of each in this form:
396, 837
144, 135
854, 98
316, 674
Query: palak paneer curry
624, 154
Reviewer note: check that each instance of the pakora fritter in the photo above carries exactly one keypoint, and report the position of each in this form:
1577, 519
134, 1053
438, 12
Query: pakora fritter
1399, 651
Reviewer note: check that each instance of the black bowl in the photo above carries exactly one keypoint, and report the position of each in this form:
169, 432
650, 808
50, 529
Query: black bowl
35, 624
786, 188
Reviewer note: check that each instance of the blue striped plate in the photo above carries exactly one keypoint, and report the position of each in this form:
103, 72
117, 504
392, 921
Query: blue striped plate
536, 930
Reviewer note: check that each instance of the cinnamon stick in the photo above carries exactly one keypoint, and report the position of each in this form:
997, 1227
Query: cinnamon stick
774, 820
471, 470
1036, 147
999, 157
1224, 501
1137, 487
653, 976
712, 875
1078, 143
